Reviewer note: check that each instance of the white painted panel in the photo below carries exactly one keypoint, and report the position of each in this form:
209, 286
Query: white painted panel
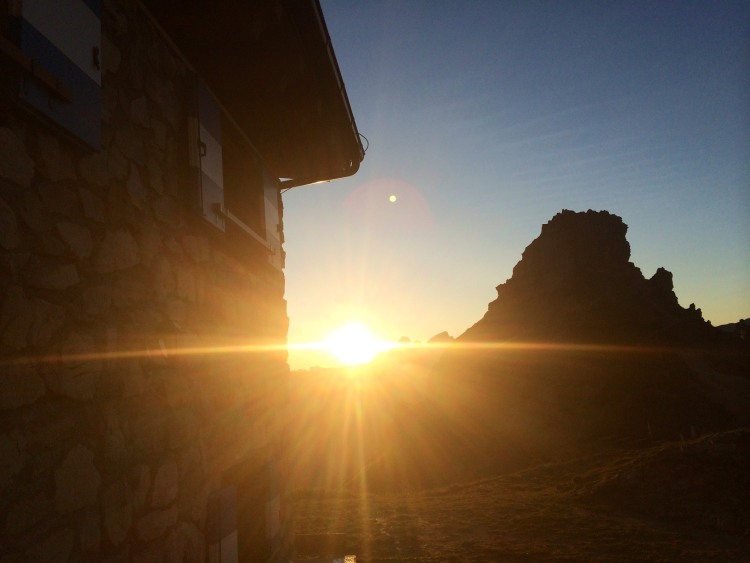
212, 163
71, 27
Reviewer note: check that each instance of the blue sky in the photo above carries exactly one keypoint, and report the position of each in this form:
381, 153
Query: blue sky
486, 118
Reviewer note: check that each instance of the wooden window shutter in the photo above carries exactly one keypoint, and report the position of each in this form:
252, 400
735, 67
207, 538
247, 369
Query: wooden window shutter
206, 158
61, 44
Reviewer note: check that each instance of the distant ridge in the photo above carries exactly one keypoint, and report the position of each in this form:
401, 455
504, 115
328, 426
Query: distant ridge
575, 283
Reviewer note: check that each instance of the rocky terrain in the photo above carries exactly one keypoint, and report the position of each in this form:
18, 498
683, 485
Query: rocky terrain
575, 283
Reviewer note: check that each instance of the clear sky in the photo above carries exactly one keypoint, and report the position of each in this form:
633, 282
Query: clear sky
485, 118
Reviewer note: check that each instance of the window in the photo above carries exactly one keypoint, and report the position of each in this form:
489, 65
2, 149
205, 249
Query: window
54, 49
243, 180
237, 193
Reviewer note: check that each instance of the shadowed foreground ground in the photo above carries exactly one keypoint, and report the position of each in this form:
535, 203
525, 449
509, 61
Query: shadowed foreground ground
683, 501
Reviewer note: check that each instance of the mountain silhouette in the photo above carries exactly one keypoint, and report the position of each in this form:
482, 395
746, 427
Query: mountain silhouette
575, 283
579, 354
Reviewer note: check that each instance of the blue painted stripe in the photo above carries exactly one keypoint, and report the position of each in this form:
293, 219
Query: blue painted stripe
82, 117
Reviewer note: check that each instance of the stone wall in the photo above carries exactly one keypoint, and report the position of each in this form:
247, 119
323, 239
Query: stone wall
128, 388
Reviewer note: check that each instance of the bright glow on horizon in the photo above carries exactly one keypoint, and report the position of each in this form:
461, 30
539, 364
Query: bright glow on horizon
354, 344
484, 143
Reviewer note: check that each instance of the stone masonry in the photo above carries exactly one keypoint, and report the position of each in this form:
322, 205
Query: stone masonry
127, 389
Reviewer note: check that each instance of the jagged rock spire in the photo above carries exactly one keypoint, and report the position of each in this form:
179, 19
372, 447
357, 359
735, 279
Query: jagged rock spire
575, 282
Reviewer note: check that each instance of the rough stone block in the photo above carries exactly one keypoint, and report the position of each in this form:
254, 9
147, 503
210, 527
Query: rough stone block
115, 444
151, 553
77, 238
55, 547
26, 512
109, 107
12, 457
41, 273
176, 312
78, 369
94, 169
127, 294
163, 278
173, 246
186, 286
48, 433
185, 544
193, 506
160, 133
118, 251
197, 248
15, 163
117, 164
135, 381
135, 71
140, 483
20, 386
156, 523
135, 187
130, 144
149, 241
16, 318
49, 320
58, 198
76, 480
50, 244
155, 173
117, 509
111, 55
90, 534
34, 213
13, 263
93, 206
166, 485
9, 237
97, 299
55, 163
139, 113
167, 211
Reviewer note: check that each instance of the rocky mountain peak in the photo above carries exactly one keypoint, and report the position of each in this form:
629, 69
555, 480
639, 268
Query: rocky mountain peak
575, 282
572, 241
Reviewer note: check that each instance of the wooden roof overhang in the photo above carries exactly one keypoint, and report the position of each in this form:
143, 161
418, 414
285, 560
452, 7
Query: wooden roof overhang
271, 65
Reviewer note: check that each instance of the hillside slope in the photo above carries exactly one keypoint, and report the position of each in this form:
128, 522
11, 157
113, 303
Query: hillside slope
679, 501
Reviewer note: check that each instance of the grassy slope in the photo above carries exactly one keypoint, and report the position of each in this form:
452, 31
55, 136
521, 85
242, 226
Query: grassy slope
686, 501
527, 456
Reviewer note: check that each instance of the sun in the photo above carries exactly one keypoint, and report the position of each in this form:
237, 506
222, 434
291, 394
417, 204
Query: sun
354, 344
